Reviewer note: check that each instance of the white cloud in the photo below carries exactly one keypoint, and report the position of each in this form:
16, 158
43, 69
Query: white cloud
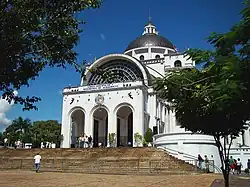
5, 106
103, 37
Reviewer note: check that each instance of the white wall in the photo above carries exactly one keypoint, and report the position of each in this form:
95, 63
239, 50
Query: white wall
159, 69
114, 98
188, 143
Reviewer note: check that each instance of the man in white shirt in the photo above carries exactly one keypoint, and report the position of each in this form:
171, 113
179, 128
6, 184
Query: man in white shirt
37, 160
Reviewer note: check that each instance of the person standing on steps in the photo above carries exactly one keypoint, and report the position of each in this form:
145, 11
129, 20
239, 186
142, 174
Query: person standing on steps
90, 141
239, 166
200, 161
37, 160
206, 164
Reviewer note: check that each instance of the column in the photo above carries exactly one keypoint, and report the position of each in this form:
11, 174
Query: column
89, 124
247, 137
66, 129
112, 127
138, 125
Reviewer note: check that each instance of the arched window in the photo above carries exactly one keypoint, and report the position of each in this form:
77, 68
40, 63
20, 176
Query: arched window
141, 57
177, 63
157, 56
116, 71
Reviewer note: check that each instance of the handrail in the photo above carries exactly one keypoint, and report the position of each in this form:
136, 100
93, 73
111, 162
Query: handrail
166, 149
218, 169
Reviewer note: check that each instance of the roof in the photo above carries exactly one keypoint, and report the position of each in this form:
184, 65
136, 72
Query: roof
150, 40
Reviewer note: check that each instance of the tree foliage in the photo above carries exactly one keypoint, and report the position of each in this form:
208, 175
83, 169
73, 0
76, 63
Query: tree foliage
18, 130
149, 135
35, 133
46, 131
214, 100
35, 34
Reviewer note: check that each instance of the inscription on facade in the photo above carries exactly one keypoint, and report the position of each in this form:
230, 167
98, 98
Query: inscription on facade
100, 87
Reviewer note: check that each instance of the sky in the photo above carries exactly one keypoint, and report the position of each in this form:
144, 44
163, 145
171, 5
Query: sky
109, 29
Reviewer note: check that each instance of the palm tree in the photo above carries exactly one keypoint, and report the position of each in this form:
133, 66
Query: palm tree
19, 129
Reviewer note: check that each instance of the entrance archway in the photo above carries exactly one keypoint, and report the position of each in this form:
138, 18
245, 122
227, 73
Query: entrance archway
77, 126
100, 121
124, 126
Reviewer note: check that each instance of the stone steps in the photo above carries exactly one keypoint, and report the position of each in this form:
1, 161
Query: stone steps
100, 160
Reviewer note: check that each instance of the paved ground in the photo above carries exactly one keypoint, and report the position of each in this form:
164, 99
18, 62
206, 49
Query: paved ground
236, 181
47, 179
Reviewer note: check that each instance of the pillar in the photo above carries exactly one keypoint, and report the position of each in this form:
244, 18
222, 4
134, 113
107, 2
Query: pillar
112, 126
89, 124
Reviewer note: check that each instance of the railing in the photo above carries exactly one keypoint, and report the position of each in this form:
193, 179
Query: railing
187, 158
153, 61
125, 166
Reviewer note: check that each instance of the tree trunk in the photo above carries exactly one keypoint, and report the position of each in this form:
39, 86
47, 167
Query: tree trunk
224, 159
226, 178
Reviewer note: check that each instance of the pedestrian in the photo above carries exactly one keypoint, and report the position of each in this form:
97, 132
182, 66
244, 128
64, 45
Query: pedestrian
239, 166
232, 164
90, 141
200, 161
206, 164
248, 165
37, 160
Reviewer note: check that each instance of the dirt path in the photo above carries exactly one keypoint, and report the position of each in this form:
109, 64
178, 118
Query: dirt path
48, 179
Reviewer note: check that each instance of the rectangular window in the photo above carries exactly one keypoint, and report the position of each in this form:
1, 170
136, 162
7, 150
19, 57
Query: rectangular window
139, 51
157, 50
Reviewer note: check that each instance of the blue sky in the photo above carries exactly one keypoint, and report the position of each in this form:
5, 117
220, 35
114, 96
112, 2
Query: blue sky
186, 23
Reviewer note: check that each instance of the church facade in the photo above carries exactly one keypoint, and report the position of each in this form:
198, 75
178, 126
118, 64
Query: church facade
125, 105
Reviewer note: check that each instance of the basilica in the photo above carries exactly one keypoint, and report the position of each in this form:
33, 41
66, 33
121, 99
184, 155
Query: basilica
117, 112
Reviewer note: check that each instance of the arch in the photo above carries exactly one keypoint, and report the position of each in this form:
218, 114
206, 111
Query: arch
157, 56
121, 105
100, 126
76, 108
177, 64
77, 119
97, 107
141, 57
108, 58
124, 124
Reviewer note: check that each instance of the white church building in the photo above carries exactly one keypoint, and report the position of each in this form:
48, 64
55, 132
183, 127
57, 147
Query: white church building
125, 104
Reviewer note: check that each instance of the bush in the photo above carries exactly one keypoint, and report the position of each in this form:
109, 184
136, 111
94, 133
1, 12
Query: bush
149, 136
247, 171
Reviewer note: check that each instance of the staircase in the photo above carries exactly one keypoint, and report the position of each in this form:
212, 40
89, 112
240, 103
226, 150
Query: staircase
97, 160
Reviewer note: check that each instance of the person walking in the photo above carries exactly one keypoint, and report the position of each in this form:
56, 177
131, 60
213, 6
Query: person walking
37, 160
232, 164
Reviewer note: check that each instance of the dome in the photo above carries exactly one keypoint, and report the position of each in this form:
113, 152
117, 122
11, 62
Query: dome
150, 39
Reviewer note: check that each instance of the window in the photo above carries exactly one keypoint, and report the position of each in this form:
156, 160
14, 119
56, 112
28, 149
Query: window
177, 63
157, 56
141, 57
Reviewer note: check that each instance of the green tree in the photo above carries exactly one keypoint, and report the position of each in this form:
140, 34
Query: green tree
36, 34
1, 138
149, 135
18, 130
214, 100
46, 131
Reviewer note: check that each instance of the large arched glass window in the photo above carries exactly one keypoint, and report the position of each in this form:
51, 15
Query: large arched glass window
115, 71
177, 63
